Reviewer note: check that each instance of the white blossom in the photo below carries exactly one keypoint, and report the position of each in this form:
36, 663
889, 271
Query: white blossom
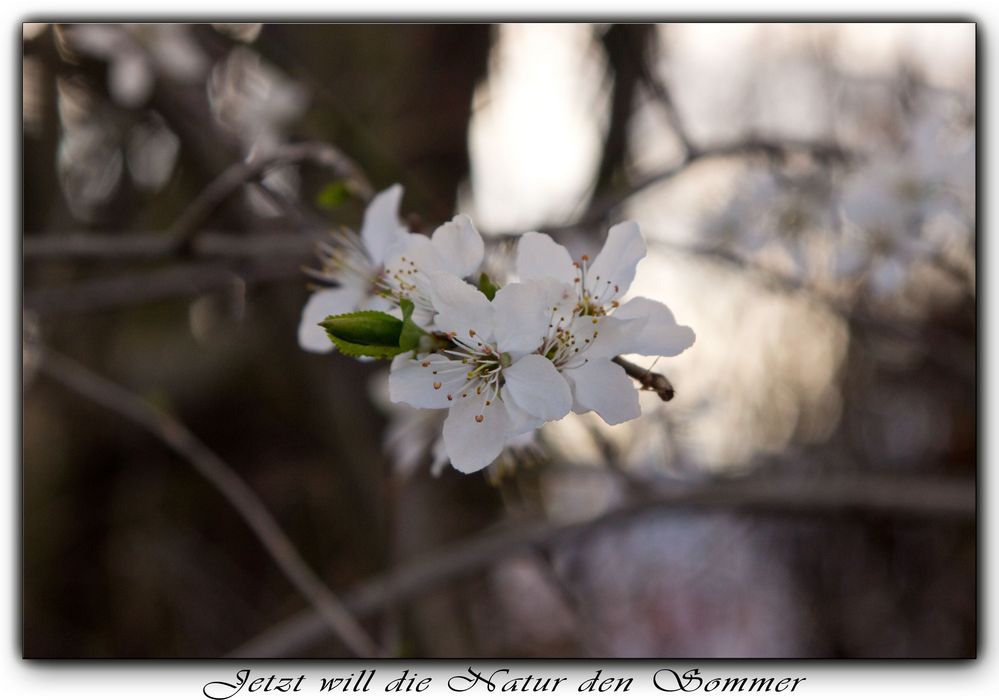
354, 263
386, 264
137, 53
456, 248
491, 380
588, 326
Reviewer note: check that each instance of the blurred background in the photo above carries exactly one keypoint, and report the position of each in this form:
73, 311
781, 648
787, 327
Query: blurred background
808, 197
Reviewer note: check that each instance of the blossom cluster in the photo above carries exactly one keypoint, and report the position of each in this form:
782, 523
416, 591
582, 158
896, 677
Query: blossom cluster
502, 361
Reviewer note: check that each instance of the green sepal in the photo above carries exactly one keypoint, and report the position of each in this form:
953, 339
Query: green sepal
411, 334
365, 334
487, 287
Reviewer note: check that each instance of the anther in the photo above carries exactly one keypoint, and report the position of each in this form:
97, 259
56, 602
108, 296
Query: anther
479, 418
437, 385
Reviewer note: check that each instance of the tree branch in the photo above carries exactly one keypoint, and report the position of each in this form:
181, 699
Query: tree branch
238, 174
330, 611
145, 245
181, 280
774, 149
808, 495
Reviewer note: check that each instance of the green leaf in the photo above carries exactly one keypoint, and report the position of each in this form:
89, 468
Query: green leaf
365, 333
334, 194
487, 287
411, 334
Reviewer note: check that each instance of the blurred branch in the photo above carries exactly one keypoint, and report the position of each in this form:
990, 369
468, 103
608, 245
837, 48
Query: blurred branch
626, 47
329, 609
774, 149
937, 349
896, 495
142, 245
238, 174
181, 280
656, 84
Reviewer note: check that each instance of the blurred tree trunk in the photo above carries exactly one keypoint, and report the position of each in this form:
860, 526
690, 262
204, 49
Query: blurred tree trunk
627, 47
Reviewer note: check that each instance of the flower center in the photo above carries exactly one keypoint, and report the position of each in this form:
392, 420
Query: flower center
406, 281
344, 262
569, 338
470, 370
594, 296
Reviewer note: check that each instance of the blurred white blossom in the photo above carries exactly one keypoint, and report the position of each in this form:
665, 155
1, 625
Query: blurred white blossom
908, 203
137, 54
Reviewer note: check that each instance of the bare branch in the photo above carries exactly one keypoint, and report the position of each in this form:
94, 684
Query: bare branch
656, 85
144, 245
774, 149
182, 280
808, 495
330, 611
235, 176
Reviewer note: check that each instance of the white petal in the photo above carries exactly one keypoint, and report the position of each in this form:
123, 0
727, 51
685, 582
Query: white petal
604, 387
381, 231
608, 337
326, 302
376, 302
417, 251
521, 316
613, 271
539, 257
412, 381
657, 332
473, 444
459, 245
538, 388
461, 309
520, 420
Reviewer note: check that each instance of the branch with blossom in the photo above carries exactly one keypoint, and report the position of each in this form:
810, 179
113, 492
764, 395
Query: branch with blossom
502, 360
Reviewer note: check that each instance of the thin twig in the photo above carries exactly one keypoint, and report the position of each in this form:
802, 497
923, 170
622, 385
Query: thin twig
774, 149
186, 227
807, 495
131, 288
145, 245
330, 611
